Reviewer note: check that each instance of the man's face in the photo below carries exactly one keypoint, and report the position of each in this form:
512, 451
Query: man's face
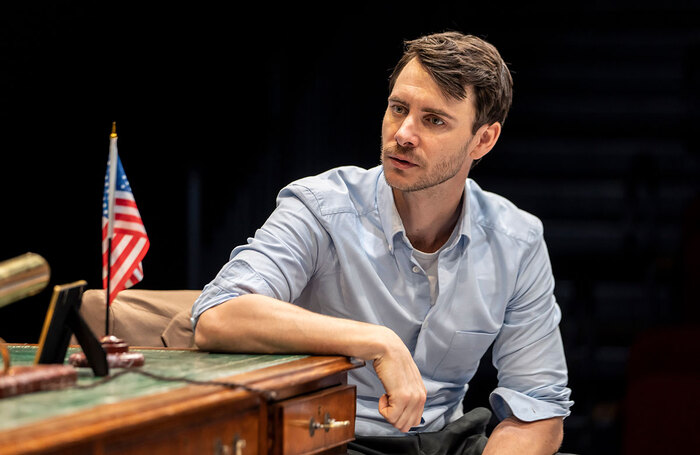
426, 137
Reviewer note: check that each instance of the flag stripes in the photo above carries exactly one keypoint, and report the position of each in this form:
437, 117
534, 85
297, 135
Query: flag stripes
129, 242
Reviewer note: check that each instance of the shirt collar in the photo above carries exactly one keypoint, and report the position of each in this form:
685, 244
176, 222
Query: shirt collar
393, 225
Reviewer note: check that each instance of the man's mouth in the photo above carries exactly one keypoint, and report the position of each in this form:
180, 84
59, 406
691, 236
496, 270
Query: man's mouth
401, 163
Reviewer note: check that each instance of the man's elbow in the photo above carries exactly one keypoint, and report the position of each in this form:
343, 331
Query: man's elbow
205, 333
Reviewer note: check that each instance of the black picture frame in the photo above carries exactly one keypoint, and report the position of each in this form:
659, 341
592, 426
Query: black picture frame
62, 320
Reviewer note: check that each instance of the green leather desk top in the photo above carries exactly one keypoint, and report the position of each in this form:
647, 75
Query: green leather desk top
200, 366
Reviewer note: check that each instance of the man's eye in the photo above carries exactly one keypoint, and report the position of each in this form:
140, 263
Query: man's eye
398, 109
437, 121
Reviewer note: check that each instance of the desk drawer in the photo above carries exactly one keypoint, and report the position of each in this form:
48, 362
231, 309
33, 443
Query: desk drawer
315, 422
217, 433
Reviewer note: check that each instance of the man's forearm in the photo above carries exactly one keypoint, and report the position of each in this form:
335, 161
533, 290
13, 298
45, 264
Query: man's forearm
256, 323
513, 436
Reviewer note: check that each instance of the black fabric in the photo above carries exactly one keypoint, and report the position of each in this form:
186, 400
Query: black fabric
465, 436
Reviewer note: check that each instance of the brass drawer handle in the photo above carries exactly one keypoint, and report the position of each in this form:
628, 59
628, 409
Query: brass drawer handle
327, 424
234, 449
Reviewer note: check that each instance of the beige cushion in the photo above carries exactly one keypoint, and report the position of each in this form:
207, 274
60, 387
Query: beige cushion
143, 317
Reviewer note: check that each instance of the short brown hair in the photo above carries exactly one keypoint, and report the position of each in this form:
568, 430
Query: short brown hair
456, 61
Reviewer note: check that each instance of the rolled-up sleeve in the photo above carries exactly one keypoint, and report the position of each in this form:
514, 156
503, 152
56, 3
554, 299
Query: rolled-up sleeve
277, 262
528, 352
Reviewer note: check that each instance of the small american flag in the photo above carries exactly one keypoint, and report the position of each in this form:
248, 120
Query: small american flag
122, 223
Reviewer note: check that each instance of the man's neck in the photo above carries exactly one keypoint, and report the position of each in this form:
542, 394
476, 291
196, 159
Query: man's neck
429, 216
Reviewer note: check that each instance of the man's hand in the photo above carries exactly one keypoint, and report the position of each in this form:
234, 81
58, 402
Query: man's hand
402, 404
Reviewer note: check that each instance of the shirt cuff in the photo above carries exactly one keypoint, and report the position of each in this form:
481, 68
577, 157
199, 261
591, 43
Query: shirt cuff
210, 297
507, 402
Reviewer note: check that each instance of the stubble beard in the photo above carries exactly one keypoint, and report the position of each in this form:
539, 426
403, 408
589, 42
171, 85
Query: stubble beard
440, 173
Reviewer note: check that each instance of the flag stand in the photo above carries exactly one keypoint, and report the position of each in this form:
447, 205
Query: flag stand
109, 280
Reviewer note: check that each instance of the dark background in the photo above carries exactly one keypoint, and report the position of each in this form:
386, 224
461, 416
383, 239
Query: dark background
218, 107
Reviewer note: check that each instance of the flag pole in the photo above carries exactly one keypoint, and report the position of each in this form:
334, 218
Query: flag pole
110, 222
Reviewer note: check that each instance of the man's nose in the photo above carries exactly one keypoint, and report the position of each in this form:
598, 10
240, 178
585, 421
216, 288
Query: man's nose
407, 134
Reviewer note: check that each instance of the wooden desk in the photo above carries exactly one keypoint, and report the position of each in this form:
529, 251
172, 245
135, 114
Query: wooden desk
134, 414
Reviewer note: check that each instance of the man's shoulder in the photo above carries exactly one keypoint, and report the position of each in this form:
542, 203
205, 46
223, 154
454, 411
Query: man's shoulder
498, 214
339, 190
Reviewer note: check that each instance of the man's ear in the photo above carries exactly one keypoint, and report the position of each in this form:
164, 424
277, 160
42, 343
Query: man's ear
486, 138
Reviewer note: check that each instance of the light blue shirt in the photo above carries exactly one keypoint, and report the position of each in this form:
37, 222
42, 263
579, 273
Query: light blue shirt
336, 245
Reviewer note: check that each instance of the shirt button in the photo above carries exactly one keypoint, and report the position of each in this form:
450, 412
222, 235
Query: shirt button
416, 269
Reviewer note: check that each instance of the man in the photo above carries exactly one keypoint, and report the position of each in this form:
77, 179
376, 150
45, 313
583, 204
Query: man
411, 269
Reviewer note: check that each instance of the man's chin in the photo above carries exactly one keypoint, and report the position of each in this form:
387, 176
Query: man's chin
400, 184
